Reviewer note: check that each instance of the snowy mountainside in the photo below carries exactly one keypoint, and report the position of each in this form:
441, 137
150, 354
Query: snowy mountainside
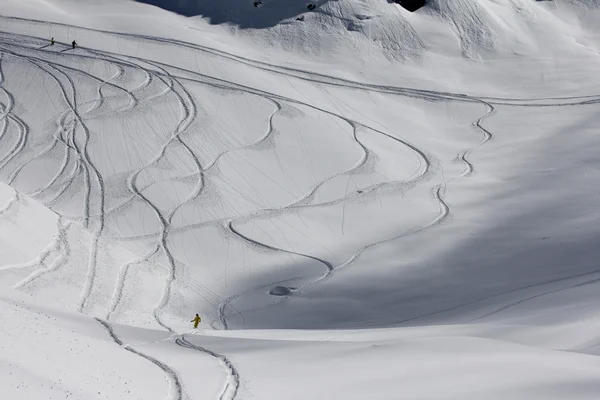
484, 29
364, 202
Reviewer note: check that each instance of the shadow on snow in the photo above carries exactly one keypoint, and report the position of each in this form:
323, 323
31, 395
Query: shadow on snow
238, 12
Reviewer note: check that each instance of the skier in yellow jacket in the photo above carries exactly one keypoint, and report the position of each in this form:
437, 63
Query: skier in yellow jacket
196, 321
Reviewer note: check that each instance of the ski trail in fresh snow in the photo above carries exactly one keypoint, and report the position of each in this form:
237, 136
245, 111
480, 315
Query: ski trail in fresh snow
66, 183
63, 250
6, 108
40, 259
118, 61
55, 246
508, 292
23, 133
173, 379
57, 139
120, 284
259, 141
7, 116
328, 266
487, 136
533, 297
232, 383
12, 202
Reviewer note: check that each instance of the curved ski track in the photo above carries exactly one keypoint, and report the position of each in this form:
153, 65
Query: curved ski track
173, 379
233, 377
72, 120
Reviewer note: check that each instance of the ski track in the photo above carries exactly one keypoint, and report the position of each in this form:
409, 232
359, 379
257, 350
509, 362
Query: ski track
173, 379
57, 139
7, 115
120, 284
500, 294
63, 250
40, 259
59, 246
529, 298
233, 377
14, 200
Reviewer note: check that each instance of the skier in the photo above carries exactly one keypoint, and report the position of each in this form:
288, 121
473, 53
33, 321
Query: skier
52, 42
196, 321
74, 44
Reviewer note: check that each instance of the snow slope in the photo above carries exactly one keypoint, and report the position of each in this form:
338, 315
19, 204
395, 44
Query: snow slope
357, 204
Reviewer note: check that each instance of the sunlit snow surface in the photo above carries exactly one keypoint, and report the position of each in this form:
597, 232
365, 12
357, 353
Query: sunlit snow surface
369, 203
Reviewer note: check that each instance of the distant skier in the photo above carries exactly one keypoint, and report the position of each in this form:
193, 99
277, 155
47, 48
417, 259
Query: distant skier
52, 42
196, 321
74, 43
